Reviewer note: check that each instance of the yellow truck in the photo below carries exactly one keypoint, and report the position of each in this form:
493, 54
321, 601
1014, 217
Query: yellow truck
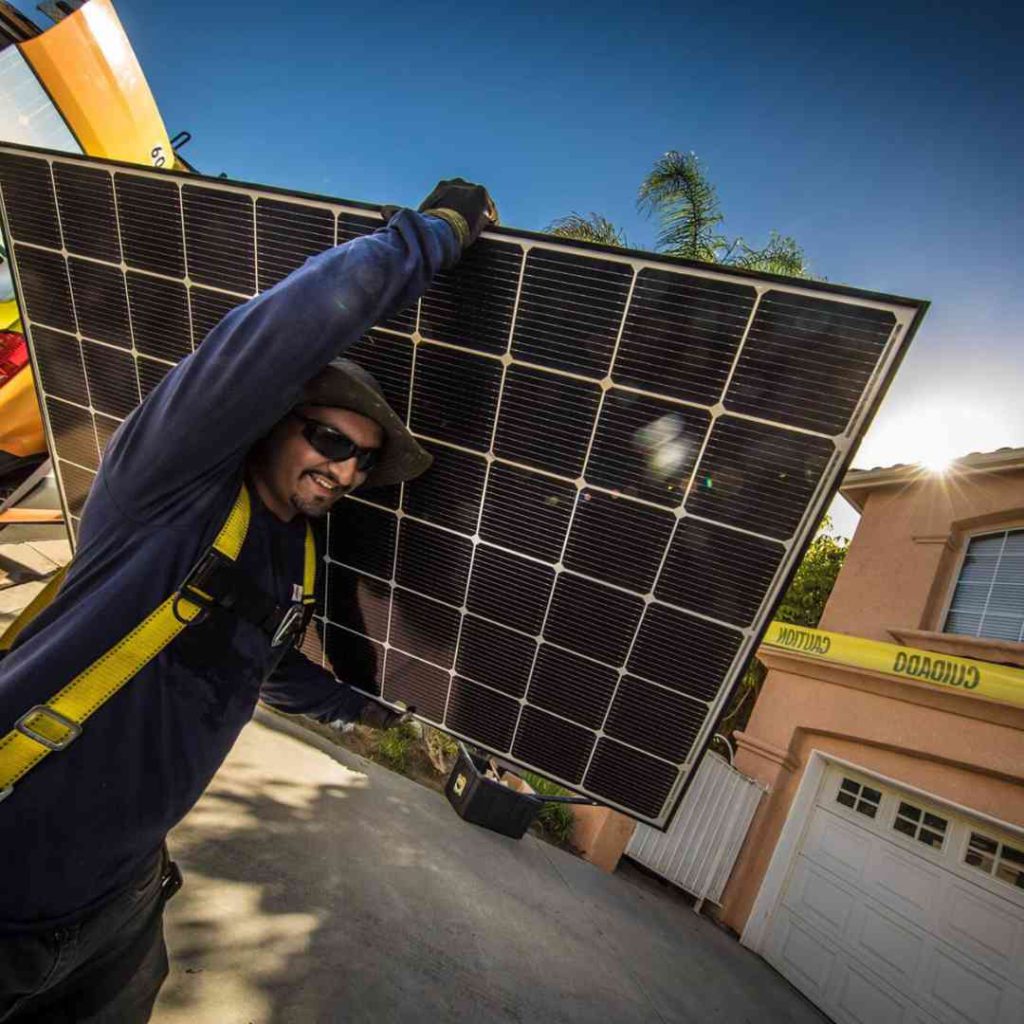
76, 87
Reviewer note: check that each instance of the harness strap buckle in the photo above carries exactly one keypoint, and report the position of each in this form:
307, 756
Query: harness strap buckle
74, 729
200, 585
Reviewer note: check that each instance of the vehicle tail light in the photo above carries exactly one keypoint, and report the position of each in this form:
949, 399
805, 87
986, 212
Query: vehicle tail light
13, 355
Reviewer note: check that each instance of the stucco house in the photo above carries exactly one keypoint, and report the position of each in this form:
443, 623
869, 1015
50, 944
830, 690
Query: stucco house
883, 873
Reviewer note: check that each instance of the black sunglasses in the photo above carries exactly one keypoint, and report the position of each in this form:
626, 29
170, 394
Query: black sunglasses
334, 445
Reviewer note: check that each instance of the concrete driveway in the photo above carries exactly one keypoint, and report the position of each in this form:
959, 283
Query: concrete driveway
320, 888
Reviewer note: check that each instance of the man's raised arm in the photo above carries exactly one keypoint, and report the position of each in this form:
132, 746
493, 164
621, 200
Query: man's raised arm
201, 420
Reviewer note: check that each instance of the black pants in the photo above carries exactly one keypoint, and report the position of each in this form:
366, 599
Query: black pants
105, 969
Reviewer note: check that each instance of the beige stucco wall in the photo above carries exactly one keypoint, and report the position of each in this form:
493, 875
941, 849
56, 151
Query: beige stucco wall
898, 576
959, 748
906, 550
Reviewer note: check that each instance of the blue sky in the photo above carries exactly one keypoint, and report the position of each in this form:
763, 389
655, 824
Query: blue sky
885, 139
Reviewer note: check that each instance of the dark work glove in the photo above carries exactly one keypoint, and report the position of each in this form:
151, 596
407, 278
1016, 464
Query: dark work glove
380, 716
466, 207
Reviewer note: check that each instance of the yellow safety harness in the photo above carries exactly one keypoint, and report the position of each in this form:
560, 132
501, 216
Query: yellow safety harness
52, 726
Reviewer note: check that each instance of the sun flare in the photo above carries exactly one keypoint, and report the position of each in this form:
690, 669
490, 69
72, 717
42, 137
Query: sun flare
932, 435
937, 464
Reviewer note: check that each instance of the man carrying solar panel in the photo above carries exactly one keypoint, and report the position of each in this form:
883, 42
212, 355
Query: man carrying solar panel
192, 580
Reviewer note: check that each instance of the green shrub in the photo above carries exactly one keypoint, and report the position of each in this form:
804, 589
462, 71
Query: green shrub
442, 749
393, 747
556, 820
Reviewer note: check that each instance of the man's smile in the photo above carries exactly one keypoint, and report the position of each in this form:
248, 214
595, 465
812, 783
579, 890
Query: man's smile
324, 482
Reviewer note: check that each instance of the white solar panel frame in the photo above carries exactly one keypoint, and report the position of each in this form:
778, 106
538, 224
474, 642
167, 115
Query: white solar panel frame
907, 313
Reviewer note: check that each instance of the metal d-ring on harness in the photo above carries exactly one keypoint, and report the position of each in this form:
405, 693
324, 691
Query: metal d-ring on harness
214, 581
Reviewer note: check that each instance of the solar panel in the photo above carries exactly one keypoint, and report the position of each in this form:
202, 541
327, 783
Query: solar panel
631, 452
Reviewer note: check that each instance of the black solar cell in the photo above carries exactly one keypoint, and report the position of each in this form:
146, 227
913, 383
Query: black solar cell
113, 383
552, 744
571, 686
495, 655
101, 302
455, 396
287, 234
655, 719
807, 360
363, 537
449, 494
682, 334
73, 434
570, 311
61, 371
415, 682
646, 447
88, 215
471, 305
150, 222
358, 602
424, 627
358, 659
77, 482
592, 619
546, 420
159, 316
617, 540
684, 652
480, 712
629, 778
45, 289
29, 200
433, 561
509, 589
758, 477
720, 572
526, 511
220, 239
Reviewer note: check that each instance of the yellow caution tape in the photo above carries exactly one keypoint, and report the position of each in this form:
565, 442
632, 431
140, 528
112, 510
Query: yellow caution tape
977, 678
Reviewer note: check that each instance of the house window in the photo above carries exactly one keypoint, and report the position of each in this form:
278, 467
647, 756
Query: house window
921, 825
989, 596
860, 798
1000, 860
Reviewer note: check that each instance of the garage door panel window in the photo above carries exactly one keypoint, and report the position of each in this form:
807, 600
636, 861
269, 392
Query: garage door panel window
921, 825
859, 797
1000, 860
989, 597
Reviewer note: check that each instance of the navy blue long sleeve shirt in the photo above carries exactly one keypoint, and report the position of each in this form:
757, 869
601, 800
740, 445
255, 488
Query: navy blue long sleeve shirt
82, 824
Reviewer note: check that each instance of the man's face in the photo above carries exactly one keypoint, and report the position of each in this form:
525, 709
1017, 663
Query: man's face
301, 478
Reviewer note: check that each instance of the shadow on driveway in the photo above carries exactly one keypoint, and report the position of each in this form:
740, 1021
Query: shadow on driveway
318, 891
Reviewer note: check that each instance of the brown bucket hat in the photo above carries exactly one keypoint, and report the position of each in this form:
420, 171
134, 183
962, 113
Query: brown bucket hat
343, 384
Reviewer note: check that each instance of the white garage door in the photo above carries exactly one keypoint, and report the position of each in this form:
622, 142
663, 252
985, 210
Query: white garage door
897, 911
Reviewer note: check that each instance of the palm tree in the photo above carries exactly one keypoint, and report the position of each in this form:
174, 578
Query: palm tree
679, 194
590, 228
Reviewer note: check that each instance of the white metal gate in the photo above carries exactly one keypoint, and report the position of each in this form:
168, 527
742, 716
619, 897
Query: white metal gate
701, 845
